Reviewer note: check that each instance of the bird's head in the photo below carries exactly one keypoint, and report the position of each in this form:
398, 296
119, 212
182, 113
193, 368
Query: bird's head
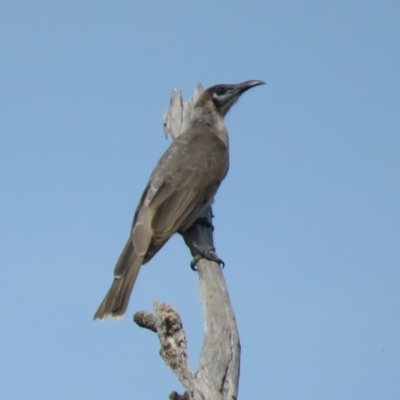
224, 96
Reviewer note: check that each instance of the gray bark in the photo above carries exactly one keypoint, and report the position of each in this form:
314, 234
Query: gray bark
217, 377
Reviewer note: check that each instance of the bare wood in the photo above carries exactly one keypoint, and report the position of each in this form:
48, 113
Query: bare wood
177, 116
220, 355
173, 342
217, 377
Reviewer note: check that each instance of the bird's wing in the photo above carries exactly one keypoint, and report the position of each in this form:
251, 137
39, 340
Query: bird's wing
190, 181
184, 181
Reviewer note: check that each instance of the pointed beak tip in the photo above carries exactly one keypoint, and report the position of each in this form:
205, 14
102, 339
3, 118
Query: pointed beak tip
258, 82
250, 84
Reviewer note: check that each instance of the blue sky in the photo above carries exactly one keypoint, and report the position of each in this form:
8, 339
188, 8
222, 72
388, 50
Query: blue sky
307, 221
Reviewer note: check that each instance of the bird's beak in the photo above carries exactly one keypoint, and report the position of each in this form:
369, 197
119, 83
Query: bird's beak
242, 87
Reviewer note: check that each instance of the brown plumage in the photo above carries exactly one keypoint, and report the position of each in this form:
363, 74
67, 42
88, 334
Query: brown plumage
182, 184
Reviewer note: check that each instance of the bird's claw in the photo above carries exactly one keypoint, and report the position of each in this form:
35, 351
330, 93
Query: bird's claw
195, 260
209, 255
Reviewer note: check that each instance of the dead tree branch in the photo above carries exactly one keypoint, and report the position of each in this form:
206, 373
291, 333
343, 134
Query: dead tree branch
217, 377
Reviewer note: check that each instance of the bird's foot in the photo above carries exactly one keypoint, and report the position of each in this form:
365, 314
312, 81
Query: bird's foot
209, 255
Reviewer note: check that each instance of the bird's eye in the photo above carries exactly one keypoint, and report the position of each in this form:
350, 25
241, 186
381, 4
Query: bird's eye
221, 91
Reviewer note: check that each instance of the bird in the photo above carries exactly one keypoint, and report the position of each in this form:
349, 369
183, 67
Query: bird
182, 184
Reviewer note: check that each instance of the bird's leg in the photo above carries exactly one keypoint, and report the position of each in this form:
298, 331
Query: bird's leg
199, 239
205, 222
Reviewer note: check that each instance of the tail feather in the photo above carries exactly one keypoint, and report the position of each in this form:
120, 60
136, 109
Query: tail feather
125, 259
116, 300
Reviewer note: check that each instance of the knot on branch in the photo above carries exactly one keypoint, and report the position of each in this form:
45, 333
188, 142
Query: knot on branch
145, 320
166, 322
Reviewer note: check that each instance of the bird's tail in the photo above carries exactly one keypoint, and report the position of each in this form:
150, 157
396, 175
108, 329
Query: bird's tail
116, 300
